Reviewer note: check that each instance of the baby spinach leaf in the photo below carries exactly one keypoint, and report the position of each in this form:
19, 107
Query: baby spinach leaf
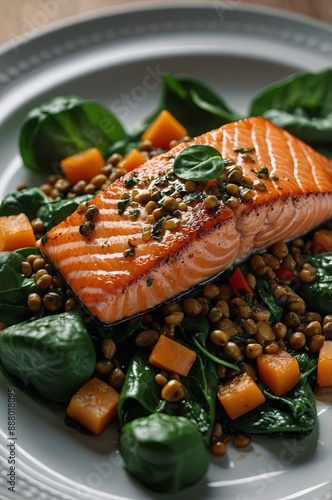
193, 103
199, 163
300, 103
63, 126
164, 452
199, 406
263, 289
55, 211
319, 293
14, 289
26, 201
29, 390
55, 354
140, 395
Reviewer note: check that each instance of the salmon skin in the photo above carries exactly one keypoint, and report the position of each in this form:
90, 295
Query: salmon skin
133, 260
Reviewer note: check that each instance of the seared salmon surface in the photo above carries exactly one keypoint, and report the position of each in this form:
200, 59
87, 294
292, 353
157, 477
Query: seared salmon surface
136, 258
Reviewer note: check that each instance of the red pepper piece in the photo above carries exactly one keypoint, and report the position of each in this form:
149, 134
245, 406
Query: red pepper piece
238, 282
285, 275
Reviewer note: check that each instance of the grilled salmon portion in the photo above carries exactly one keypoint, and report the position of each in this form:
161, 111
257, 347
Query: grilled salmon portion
157, 236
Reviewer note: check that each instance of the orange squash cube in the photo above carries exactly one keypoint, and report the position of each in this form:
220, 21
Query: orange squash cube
94, 405
171, 356
164, 129
324, 367
132, 160
16, 232
240, 395
83, 165
279, 371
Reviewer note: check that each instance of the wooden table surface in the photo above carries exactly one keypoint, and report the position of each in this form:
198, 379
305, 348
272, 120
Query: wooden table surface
21, 18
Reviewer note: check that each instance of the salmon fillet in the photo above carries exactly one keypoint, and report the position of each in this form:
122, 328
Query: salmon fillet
123, 269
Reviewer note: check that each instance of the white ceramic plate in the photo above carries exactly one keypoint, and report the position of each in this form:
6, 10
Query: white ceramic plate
117, 58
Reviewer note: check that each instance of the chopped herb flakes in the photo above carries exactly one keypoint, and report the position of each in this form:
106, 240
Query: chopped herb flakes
156, 229
149, 281
244, 150
249, 158
263, 173
129, 252
131, 181
122, 205
190, 197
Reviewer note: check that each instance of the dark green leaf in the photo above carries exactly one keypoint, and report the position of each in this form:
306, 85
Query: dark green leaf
29, 390
193, 103
14, 289
200, 403
301, 104
55, 211
140, 395
319, 293
27, 201
55, 354
164, 452
63, 126
199, 163
263, 289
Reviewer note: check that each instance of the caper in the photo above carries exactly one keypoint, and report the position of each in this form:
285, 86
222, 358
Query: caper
87, 228
91, 212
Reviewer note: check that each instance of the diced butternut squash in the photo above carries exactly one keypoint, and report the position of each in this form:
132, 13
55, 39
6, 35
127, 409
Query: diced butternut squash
83, 165
279, 371
94, 405
164, 129
132, 160
16, 232
171, 356
240, 395
322, 241
324, 367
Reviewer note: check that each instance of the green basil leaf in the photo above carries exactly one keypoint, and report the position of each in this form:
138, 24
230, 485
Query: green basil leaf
199, 163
